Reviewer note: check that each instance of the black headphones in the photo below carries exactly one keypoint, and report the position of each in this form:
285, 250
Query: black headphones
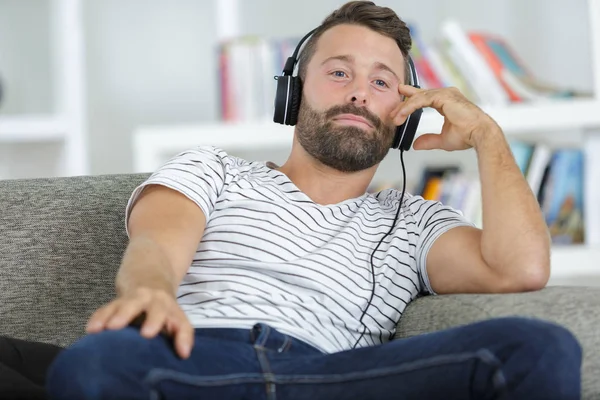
289, 95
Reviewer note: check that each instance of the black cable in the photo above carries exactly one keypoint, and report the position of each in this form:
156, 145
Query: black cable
378, 244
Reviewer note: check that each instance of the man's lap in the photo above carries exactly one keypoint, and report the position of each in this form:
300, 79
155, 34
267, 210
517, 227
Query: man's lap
263, 363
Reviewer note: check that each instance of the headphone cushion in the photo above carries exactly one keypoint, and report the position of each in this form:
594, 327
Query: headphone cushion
295, 98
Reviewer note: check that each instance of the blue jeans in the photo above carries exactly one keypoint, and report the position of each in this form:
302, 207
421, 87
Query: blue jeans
504, 358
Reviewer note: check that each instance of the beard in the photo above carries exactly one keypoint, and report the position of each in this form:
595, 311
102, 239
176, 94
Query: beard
344, 148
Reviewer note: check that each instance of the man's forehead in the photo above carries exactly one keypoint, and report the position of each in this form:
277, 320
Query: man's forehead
358, 44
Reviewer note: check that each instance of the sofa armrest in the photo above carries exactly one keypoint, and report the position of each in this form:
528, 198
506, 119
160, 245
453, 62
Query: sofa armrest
576, 308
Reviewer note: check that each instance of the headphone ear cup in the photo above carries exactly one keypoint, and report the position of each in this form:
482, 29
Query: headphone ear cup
295, 99
287, 100
281, 99
406, 132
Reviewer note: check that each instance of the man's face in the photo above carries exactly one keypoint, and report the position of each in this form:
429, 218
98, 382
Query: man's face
350, 89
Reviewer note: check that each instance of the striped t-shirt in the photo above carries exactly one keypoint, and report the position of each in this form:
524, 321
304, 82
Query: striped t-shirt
270, 254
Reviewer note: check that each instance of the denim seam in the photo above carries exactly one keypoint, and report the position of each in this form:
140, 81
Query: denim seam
263, 361
267, 373
499, 382
483, 355
158, 375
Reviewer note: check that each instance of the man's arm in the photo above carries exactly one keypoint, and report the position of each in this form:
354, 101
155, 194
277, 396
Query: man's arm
515, 241
165, 228
512, 252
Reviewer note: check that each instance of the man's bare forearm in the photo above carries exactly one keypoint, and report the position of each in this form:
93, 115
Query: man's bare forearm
145, 265
515, 239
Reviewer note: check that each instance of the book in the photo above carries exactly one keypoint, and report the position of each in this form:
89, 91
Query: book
563, 200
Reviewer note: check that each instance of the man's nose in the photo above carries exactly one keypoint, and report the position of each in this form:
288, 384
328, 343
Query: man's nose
359, 94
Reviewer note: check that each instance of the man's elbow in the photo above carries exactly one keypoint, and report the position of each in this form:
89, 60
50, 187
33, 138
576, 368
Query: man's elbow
535, 264
534, 274
537, 278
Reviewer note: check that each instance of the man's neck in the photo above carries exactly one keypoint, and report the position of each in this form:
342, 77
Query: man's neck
322, 184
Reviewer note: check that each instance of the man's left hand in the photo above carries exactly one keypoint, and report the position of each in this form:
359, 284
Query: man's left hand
463, 120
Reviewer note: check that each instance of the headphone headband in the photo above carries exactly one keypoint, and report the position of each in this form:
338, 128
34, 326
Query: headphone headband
288, 69
414, 78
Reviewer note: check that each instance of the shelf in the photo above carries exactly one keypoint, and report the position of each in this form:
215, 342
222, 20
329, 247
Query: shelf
39, 128
150, 144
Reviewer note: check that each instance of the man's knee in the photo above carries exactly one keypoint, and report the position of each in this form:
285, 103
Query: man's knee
540, 357
542, 338
96, 364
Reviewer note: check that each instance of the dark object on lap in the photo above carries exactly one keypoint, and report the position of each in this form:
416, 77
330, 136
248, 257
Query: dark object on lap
23, 367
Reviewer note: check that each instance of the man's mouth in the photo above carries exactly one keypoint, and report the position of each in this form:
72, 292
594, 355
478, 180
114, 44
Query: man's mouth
352, 119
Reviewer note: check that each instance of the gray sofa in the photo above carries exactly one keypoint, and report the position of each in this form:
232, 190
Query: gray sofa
61, 241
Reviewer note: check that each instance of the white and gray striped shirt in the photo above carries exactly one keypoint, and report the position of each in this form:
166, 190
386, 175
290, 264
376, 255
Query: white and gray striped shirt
270, 254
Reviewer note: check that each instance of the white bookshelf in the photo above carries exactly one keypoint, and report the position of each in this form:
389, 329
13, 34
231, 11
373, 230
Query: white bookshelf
67, 123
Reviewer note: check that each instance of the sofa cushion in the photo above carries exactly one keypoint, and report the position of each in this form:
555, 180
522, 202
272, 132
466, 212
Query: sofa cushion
61, 242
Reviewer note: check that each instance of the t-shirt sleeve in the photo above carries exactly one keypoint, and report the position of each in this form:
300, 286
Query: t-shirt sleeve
432, 219
199, 174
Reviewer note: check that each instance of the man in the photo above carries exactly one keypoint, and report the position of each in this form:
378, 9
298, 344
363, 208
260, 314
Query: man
265, 283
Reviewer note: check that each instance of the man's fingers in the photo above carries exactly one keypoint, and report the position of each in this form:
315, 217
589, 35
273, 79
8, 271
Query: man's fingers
428, 141
416, 99
156, 315
160, 312
100, 317
183, 336
127, 311
407, 90
420, 100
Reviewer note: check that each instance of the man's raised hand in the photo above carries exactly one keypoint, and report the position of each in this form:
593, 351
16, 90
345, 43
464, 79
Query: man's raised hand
464, 122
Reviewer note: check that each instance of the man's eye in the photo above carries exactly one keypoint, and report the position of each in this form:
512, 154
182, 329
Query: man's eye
381, 83
339, 74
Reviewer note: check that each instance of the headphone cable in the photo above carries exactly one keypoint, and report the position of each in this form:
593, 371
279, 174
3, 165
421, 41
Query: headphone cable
374, 251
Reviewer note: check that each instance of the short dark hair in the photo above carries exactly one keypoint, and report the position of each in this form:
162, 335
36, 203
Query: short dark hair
382, 20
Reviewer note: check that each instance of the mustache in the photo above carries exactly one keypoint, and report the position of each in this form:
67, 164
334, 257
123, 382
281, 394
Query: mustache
352, 109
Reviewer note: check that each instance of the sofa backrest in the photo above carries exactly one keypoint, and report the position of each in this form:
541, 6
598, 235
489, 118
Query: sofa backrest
61, 243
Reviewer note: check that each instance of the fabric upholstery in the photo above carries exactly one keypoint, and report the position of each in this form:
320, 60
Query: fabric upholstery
61, 241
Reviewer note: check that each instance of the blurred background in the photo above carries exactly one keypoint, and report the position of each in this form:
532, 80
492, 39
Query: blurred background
120, 86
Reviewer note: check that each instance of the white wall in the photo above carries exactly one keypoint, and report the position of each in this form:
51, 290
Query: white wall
149, 62
268, 17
